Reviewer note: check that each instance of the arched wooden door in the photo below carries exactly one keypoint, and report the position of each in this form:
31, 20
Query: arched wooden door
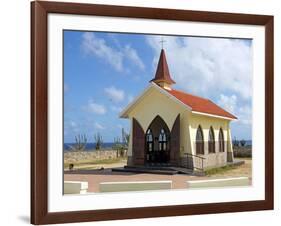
175, 142
138, 146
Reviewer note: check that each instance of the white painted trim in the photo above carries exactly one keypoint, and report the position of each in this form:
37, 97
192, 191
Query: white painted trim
212, 115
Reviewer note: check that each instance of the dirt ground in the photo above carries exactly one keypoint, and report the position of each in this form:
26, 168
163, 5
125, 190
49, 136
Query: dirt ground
94, 177
244, 170
93, 166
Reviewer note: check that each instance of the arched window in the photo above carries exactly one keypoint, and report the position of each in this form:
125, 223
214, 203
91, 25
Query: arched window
199, 141
149, 140
221, 141
162, 140
211, 143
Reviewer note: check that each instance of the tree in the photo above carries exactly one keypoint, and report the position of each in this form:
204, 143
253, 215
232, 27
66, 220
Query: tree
80, 143
117, 146
99, 141
242, 142
235, 142
125, 138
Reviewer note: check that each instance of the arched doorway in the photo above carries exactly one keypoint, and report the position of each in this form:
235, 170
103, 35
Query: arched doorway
157, 141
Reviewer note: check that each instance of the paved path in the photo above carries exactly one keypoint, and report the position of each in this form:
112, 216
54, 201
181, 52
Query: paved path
94, 177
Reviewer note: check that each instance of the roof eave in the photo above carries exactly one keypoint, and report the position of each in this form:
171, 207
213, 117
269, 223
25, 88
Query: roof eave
215, 116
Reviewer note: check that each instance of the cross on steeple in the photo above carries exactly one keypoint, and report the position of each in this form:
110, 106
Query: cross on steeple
162, 42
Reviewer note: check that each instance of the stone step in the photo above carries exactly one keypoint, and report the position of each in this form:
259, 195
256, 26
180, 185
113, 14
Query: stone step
170, 170
146, 170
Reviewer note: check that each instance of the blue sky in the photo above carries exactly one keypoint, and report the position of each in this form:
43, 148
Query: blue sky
103, 72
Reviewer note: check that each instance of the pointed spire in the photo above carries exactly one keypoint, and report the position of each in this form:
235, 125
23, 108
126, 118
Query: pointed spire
162, 75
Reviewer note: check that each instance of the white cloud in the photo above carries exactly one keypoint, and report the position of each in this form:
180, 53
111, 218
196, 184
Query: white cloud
99, 126
133, 56
95, 108
243, 113
228, 102
208, 66
114, 94
93, 45
98, 47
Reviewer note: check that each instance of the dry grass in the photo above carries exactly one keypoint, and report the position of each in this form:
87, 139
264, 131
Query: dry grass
87, 164
244, 170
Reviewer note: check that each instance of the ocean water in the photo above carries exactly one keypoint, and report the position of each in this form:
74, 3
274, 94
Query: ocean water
89, 146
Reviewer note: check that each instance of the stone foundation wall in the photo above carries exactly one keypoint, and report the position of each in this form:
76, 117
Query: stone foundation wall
212, 160
75, 156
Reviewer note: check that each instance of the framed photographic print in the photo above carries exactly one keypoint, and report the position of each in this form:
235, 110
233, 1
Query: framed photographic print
147, 112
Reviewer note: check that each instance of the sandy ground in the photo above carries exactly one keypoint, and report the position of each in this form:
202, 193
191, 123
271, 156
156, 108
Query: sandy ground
90, 166
94, 177
244, 170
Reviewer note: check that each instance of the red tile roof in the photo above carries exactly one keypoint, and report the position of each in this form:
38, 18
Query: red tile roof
200, 104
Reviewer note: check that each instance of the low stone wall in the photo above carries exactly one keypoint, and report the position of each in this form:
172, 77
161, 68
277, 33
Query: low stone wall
75, 156
242, 152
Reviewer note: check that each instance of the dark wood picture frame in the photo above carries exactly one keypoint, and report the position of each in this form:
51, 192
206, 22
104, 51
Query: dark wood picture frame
39, 112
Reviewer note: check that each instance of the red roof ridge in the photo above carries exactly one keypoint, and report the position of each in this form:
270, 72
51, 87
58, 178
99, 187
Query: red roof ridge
180, 91
200, 104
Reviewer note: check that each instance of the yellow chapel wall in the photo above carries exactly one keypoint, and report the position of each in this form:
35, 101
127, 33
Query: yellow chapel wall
212, 159
155, 103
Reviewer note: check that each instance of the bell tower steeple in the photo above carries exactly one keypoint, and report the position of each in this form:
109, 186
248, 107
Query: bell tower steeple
162, 75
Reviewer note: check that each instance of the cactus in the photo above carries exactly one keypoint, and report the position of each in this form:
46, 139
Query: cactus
80, 143
235, 142
121, 146
117, 146
125, 138
99, 141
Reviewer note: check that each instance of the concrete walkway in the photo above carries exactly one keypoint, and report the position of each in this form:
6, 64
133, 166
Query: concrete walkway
94, 177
